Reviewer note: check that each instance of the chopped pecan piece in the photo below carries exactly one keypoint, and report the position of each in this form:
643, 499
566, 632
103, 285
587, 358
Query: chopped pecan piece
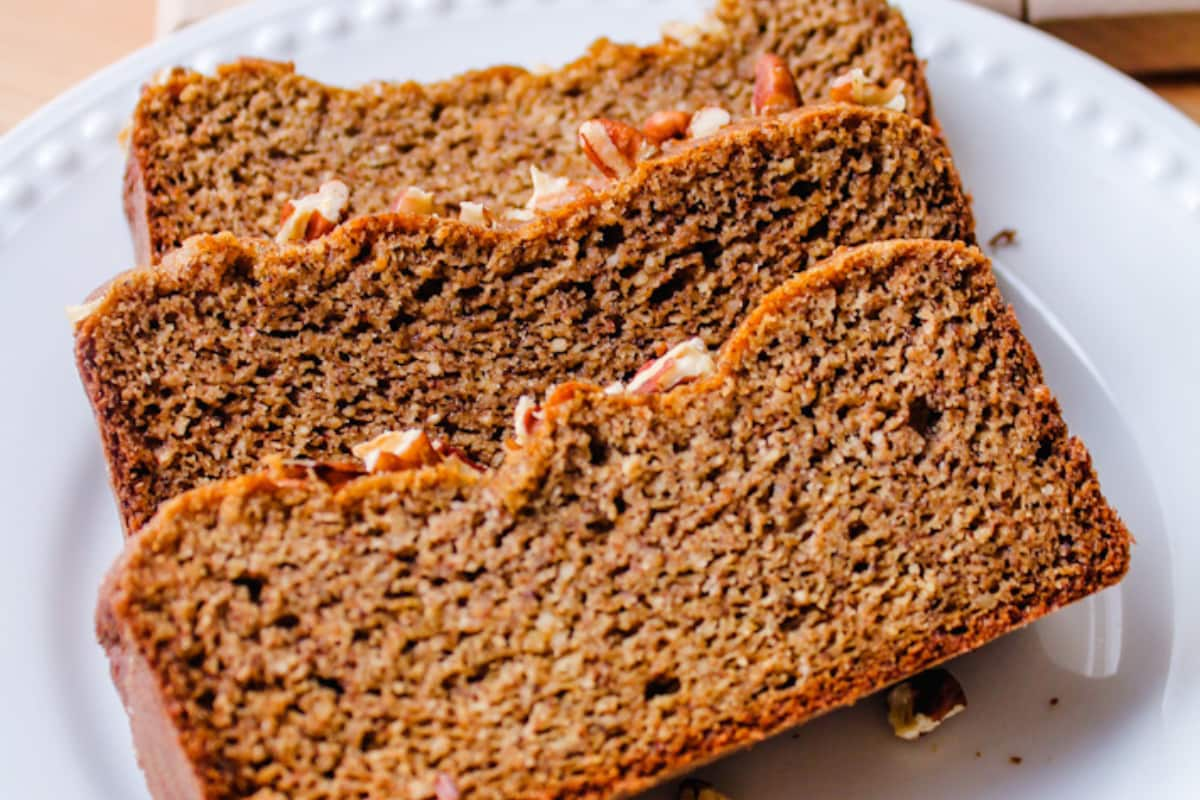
919, 705
662, 126
395, 450
614, 147
413, 200
313, 215
707, 121
692, 789
682, 363
856, 87
526, 417
552, 191
475, 214
775, 89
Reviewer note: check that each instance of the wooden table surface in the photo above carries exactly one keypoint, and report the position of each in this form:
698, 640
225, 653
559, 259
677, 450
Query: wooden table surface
46, 46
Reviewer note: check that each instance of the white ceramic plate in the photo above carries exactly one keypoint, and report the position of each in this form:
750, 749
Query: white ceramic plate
1100, 179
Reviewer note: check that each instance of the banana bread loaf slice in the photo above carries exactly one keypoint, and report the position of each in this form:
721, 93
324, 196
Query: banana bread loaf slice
225, 153
872, 479
233, 350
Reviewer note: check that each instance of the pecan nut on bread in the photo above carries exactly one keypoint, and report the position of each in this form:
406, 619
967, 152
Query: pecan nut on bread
224, 153
873, 479
233, 350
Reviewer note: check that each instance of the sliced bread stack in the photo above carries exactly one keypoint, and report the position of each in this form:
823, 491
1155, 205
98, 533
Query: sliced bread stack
468, 570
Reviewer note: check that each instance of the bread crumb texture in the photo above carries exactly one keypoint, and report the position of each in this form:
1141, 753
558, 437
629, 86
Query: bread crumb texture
233, 350
874, 479
225, 153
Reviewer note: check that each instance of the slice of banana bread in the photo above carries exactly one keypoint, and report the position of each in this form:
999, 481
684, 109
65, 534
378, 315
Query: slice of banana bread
233, 350
873, 479
225, 153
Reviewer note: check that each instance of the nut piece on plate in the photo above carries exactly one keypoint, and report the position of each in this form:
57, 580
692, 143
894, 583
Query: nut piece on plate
662, 126
920, 704
682, 363
614, 147
313, 215
708, 121
413, 200
775, 89
692, 789
856, 87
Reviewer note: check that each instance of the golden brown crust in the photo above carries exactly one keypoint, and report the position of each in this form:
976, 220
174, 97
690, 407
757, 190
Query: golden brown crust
225, 153
1056, 540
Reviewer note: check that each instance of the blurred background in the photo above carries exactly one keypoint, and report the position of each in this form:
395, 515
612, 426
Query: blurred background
46, 46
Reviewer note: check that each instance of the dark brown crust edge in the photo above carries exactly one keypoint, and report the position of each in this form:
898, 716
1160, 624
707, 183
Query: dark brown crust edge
116, 449
153, 716
136, 205
1107, 561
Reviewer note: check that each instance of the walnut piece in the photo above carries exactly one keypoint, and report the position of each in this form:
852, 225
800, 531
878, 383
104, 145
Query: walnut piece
413, 200
856, 87
313, 215
684, 362
613, 147
775, 89
707, 121
920, 704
